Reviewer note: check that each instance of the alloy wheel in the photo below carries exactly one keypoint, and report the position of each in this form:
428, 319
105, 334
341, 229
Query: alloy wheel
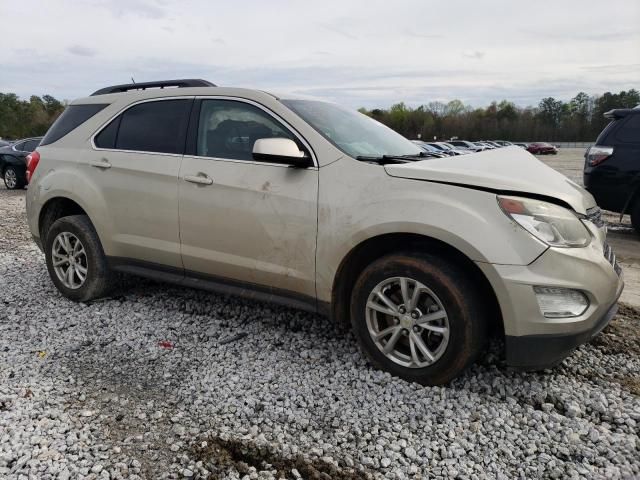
407, 322
69, 260
10, 178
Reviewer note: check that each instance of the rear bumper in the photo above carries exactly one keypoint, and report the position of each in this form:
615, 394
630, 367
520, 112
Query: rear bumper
536, 352
610, 194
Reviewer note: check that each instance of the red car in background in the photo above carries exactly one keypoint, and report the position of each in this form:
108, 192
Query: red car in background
541, 148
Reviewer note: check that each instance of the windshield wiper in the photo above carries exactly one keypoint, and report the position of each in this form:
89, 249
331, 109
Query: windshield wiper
386, 159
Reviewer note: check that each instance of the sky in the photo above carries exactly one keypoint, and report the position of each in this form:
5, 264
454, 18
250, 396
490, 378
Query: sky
358, 53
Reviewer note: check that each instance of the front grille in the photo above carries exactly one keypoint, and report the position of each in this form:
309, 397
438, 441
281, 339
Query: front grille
611, 258
594, 215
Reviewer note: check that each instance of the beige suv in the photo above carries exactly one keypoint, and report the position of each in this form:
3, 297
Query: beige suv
305, 203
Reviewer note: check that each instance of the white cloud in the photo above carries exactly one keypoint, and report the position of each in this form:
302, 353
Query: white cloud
81, 51
474, 54
360, 52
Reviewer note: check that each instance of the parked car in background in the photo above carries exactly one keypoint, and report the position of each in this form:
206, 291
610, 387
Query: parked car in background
611, 168
432, 151
447, 149
456, 150
542, 148
4, 143
467, 145
503, 143
317, 206
440, 149
522, 145
487, 145
13, 165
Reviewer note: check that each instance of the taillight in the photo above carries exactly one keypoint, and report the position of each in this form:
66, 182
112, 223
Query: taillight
32, 162
597, 155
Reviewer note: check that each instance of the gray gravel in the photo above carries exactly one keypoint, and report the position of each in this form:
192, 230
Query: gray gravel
165, 382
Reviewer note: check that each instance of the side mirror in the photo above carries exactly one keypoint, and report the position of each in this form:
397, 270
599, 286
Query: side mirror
280, 150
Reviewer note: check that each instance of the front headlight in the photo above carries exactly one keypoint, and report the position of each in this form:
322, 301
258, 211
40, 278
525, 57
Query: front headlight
554, 225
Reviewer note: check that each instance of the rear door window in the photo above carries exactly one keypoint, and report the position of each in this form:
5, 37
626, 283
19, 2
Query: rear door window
71, 118
629, 131
158, 126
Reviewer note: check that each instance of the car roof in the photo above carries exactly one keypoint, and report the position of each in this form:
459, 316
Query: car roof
135, 95
26, 139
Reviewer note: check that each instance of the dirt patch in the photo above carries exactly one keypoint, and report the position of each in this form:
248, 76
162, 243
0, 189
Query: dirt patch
631, 384
220, 456
622, 335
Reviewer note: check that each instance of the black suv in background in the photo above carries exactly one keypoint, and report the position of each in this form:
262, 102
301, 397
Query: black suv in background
612, 165
13, 164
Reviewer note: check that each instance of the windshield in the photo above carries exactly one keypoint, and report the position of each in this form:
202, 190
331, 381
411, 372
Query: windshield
352, 132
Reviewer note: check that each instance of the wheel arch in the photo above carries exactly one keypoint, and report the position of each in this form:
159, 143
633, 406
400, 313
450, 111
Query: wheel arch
376, 247
54, 209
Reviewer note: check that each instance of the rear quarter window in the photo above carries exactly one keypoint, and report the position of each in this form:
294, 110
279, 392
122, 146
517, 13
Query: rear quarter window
155, 126
629, 129
71, 118
602, 138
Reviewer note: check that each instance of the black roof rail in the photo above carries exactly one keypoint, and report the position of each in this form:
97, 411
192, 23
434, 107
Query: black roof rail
180, 83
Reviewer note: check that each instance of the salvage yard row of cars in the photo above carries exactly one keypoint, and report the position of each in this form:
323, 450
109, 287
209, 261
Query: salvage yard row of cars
312, 205
462, 147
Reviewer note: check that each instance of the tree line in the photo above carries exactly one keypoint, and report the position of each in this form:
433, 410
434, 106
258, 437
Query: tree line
580, 119
27, 118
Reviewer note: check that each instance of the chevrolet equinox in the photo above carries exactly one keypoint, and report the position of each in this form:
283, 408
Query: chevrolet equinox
305, 203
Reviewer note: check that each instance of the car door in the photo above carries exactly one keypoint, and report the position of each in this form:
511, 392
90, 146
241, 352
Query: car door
244, 220
133, 169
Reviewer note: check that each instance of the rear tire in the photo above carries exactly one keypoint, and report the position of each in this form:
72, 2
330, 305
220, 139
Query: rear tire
76, 262
13, 179
430, 352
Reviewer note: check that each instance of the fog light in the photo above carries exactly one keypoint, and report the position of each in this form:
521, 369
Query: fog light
561, 302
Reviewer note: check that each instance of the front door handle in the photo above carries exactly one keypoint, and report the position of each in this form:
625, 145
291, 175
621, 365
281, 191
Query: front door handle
201, 179
102, 163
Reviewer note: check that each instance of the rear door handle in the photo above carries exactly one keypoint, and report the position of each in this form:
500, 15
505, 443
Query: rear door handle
103, 163
201, 179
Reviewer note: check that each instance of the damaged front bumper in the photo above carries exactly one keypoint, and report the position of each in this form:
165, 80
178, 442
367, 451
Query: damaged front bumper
533, 341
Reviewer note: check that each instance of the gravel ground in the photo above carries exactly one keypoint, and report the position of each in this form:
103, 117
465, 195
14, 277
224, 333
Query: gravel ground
166, 382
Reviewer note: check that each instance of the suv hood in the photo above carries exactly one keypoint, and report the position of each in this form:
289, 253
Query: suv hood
510, 170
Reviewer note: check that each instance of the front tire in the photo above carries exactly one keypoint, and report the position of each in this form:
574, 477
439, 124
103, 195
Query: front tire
13, 179
76, 262
419, 317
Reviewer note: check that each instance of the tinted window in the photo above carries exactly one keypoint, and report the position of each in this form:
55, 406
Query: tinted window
72, 117
19, 146
630, 129
228, 129
31, 145
158, 126
107, 137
